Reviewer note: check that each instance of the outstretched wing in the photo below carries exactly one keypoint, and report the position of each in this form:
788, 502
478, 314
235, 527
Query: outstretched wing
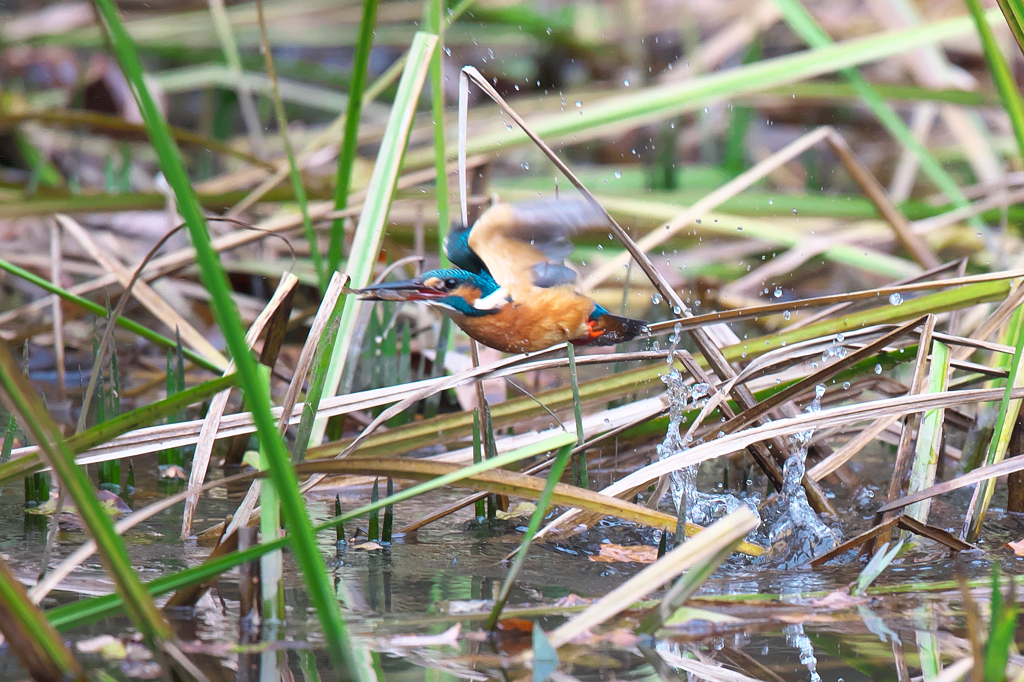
525, 245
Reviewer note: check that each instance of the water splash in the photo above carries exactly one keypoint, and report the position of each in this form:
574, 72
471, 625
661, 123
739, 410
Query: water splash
701, 508
834, 349
795, 532
796, 638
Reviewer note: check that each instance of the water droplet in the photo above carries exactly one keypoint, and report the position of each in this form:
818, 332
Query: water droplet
618, 174
794, 211
626, 82
656, 299
579, 103
778, 292
846, 385
525, 165
548, 31
600, 247
878, 369
508, 127
771, 202
786, 314
895, 298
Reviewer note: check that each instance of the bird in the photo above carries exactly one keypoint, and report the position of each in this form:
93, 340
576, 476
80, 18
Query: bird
510, 288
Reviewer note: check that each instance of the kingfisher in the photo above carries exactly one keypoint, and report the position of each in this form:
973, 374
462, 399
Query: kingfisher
511, 289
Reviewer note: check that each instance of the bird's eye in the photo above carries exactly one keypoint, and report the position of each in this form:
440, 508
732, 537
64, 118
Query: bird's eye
451, 282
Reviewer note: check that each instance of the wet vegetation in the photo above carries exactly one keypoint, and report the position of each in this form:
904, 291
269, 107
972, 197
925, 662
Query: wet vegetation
219, 463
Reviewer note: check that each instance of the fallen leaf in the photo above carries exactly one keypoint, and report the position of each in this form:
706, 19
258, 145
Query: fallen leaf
521, 509
513, 635
838, 600
515, 624
368, 546
1017, 547
643, 554
573, 600
172, 472
107, 646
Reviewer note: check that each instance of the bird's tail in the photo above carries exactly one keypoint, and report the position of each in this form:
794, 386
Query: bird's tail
607, 329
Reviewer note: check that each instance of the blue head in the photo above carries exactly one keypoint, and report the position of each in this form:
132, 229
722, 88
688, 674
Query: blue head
456, 290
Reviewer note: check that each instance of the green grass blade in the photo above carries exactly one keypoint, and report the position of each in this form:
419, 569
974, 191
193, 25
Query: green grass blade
882, 558
927, 643
303, 539
100, 311
347, 154
1008, 411
77, 486
1003, 625
1009, 93
8, 446
579, 462
929, 437
35, 643
373, 219
434, 11
1013, 12
478, 456
373, 524
321, 367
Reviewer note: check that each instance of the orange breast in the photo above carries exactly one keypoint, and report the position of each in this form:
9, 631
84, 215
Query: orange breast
546, 317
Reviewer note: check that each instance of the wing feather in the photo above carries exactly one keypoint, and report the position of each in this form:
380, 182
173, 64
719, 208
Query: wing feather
524, 245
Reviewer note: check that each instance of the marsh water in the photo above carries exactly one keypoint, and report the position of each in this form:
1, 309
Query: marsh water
767, 622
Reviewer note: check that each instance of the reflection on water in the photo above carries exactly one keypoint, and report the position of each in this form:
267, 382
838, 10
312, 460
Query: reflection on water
447, 573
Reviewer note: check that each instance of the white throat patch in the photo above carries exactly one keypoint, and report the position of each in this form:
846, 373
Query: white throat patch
492, 301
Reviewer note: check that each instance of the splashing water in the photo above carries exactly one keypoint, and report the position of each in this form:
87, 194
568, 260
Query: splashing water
795, 533
796, 638
835, 349
789, 526
701, 508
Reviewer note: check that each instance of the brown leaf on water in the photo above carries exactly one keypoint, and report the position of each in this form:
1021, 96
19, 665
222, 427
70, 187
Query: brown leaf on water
838, 600
513, 635
1017, 547
573, 600
643, 554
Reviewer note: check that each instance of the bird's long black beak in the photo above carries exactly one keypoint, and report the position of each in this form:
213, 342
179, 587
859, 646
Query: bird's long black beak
405, 290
